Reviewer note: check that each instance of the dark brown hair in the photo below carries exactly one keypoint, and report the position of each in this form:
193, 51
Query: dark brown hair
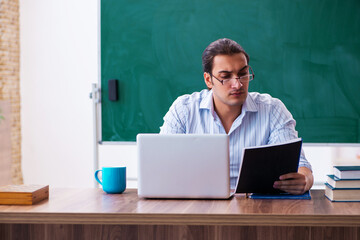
222, 46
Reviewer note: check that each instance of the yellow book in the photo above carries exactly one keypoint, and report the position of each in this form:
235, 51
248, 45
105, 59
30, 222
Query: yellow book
23, 194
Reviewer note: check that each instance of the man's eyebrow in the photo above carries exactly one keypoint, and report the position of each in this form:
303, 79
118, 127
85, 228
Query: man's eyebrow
244, 68
224, 71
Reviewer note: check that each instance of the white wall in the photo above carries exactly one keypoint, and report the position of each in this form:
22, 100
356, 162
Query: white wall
59, 62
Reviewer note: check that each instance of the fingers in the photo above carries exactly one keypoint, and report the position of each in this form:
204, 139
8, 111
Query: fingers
293, 189
293, 183
291, 175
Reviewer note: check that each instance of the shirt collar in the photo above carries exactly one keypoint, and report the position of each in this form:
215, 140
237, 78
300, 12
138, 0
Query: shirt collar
248, 106
207, 101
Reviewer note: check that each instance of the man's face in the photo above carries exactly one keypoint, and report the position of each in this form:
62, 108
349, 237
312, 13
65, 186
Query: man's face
233, 93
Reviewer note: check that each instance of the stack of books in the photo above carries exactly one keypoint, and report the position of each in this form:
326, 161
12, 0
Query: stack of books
344, 184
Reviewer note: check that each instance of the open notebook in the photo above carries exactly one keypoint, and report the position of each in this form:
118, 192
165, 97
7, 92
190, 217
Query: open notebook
263, 165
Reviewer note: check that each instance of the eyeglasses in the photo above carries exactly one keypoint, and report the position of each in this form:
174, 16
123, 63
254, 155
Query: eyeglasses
243, 79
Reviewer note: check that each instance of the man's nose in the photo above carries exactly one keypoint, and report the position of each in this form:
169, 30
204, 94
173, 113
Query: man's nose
236, 83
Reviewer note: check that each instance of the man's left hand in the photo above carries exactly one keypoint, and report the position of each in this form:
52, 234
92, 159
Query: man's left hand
295, 183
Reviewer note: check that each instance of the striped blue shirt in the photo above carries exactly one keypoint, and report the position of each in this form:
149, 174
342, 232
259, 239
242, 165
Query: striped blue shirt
263, 120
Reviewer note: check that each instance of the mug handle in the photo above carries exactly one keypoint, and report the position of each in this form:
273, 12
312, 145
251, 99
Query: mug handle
96, 176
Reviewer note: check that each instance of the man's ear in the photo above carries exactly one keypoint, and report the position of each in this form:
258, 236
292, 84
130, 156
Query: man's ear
208, 80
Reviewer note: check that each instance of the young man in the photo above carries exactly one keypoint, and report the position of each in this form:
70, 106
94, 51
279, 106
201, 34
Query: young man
250, 119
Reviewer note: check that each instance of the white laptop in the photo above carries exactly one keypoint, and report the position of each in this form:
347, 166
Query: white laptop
183, 166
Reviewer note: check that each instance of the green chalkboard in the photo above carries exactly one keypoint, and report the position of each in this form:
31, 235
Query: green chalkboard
305, 52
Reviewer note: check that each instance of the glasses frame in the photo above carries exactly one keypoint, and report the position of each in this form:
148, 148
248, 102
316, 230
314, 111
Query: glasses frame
251, 77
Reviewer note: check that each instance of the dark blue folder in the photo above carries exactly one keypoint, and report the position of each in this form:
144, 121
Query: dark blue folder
280, 196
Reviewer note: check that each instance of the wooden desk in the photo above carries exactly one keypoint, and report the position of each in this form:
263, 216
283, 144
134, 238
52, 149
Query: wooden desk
93, 214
